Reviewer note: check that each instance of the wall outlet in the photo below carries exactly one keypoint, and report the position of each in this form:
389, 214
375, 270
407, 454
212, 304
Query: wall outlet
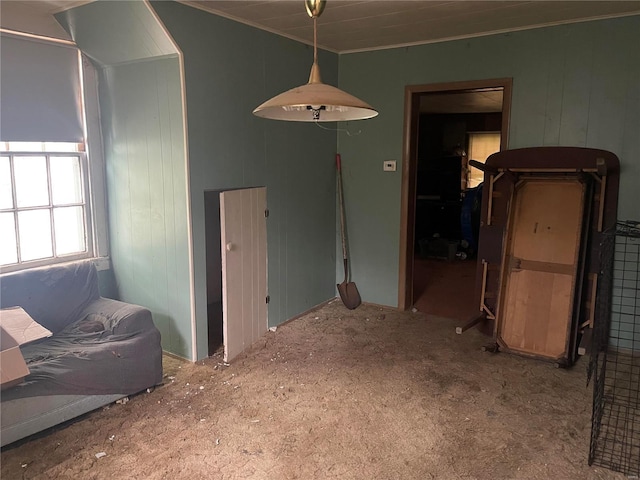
389, 166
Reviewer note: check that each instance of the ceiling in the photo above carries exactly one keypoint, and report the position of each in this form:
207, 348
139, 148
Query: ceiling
350, 26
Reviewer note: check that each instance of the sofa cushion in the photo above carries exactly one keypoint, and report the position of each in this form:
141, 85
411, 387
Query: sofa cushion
54, 296
120, 353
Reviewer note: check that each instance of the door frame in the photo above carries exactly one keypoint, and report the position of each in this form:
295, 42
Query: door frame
412, 95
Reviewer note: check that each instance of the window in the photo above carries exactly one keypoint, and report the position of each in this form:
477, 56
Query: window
481, 146
44, 212
52, 191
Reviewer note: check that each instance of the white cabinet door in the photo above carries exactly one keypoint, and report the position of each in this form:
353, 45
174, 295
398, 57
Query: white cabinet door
244, 268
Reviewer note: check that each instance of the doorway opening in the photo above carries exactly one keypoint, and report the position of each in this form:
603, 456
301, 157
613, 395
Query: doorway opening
214, 271
446, 126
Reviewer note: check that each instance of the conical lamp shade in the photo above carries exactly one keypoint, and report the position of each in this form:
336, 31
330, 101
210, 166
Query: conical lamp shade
315, 102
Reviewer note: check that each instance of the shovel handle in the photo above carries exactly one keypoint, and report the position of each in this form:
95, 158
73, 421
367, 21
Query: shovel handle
342, 220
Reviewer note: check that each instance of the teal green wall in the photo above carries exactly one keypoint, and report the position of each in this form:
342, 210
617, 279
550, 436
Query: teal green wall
573, 85
230, 69
142, 126
147, 199
576, 85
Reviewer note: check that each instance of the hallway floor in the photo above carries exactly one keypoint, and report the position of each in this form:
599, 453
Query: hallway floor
445, 289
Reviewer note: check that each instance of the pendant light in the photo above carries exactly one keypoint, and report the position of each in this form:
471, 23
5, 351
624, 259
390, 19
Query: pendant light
315, 101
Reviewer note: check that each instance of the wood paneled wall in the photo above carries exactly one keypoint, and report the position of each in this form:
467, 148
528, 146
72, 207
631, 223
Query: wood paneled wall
146, 184
144, 146
230, 69
573, 85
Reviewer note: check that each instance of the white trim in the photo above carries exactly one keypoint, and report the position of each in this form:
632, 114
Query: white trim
95, 154
101, 263
192, 299
34, 36
138, 61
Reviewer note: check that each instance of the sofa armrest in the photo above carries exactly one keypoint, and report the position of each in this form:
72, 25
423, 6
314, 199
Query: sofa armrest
119, 317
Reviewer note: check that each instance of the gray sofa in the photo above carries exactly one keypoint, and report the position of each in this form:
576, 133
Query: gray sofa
101, 349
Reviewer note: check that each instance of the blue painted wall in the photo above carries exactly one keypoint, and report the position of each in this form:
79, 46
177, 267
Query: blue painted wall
230, 69
573, 85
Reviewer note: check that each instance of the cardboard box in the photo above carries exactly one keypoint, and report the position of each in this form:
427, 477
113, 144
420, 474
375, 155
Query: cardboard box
16, 328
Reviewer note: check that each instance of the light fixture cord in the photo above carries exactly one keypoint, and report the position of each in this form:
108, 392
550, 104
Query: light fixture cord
349, 134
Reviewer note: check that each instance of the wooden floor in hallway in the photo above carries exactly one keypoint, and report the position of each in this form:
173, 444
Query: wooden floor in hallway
445, 288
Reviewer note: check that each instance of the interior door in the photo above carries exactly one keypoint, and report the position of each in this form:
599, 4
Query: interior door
243, 233
540, 267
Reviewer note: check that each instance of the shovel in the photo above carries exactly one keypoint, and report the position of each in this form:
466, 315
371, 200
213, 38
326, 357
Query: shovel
348, 290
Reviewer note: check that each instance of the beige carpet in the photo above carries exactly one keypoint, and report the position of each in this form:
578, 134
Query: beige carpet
366, 394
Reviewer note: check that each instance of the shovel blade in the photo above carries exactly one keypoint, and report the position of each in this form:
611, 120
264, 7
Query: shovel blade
349, 295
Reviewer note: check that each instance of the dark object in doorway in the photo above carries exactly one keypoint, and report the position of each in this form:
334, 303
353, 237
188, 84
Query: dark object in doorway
440, 248
214, 321
470, 217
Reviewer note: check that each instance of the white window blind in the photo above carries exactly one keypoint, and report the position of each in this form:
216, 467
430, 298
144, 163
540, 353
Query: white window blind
40, 95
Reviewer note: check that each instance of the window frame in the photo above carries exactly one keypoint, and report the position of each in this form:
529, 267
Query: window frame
92, 163
86, 205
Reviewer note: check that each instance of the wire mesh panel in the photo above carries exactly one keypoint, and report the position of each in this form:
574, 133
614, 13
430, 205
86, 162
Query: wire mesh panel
615, 358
